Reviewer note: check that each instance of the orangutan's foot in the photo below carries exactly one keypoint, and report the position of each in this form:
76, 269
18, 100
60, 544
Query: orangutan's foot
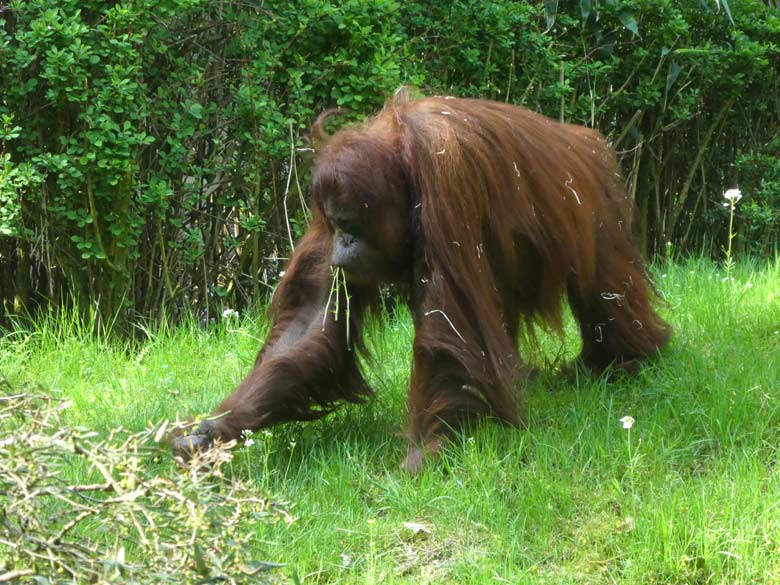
417, 455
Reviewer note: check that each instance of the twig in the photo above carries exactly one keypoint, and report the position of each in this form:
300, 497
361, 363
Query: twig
12, 575
287, 188
443, 314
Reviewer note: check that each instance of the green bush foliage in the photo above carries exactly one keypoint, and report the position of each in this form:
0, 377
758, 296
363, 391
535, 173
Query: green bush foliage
153, 153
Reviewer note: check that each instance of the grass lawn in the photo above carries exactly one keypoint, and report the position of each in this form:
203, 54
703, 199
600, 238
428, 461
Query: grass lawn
690, 494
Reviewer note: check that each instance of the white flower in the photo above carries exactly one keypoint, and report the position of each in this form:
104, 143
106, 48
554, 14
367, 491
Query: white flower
732, 196
628, 422
229, 314
246, 435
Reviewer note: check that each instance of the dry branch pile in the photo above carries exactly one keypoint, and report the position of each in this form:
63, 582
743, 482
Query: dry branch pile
134, 519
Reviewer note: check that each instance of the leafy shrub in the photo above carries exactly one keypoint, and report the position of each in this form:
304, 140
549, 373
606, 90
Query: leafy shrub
759, 177
153, 159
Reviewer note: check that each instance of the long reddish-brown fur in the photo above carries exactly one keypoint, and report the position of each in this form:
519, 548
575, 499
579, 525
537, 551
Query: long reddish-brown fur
508, 212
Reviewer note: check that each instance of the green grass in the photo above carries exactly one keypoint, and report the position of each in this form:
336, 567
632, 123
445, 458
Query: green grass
690, 495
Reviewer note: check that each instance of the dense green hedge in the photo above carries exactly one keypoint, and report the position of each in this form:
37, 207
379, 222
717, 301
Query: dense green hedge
152, 152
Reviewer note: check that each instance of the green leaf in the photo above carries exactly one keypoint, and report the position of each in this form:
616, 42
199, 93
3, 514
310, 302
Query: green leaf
672, 75
629, 21
728, 11
585, 8
200, 561
196, 111
550, 12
